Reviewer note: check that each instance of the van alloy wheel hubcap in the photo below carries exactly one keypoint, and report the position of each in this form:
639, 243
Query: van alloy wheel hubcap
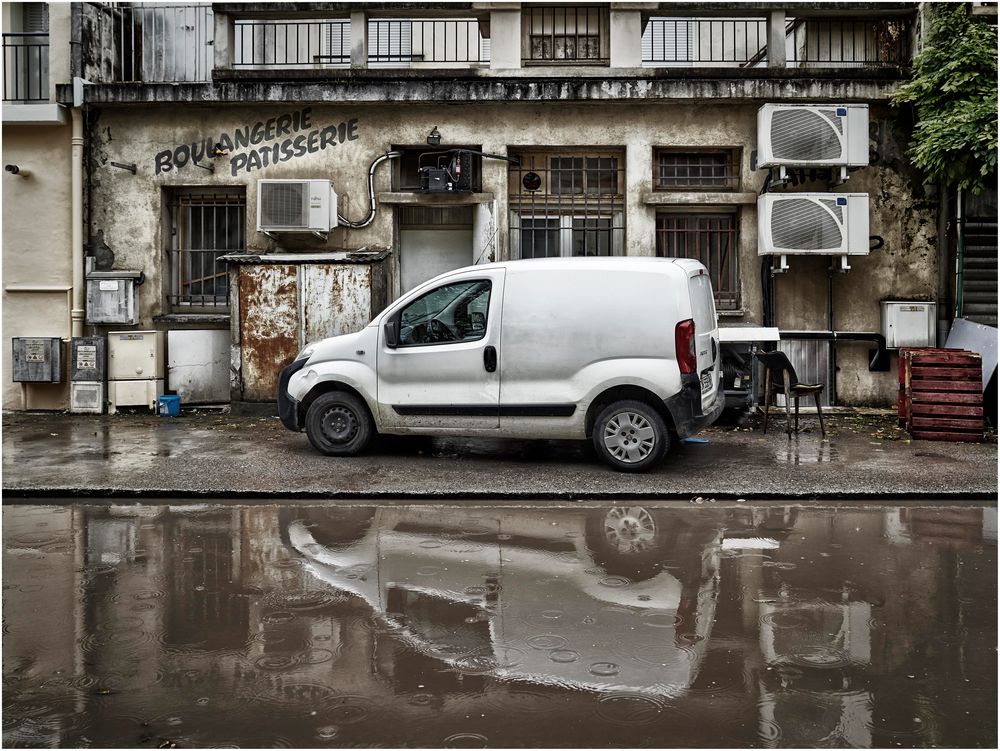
629, 529
339, 424
629, 437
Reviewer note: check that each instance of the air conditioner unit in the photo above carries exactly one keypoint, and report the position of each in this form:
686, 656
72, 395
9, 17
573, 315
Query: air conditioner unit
812, 135
296, 206
813, 224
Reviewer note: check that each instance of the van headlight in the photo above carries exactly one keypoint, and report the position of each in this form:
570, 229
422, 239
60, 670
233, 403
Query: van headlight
307, 352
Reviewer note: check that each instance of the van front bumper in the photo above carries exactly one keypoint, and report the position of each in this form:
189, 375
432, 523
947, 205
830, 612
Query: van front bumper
685, 407
288, 408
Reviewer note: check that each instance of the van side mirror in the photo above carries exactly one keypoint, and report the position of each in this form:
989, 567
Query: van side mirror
392, 333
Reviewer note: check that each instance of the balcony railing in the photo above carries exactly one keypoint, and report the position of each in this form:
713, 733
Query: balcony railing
835, 43
718, 42
392, 42
292, 44
26, 67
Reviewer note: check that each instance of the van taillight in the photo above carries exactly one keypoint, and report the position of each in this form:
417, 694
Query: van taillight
684, 346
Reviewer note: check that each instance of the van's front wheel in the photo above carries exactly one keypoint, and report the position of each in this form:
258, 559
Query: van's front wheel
338, 424
631, 436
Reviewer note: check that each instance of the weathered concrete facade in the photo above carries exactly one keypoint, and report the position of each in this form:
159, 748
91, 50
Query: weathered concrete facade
129, 209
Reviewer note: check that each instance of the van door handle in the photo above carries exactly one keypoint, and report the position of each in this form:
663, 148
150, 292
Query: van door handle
490, 358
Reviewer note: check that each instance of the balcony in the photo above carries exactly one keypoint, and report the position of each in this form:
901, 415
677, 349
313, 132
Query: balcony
475, 52
26, 68
742, 42
325, 44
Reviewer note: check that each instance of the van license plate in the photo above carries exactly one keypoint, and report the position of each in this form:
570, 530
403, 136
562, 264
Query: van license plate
706, 381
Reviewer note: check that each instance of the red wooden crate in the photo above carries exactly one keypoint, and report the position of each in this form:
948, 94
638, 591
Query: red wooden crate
941, 394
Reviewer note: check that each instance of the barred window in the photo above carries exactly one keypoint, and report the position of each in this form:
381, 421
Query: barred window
567, 204
707, 237
697, 169
203, 227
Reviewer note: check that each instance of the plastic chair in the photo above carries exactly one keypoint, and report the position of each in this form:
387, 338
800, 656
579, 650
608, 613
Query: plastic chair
778, 372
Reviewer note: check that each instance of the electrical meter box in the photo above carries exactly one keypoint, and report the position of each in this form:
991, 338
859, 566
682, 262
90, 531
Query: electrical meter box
909, 324
37, 359
135, 355
111, 297
87, 361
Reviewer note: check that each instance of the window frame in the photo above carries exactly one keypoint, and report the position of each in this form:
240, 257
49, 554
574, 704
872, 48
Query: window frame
548, 18
731, 180
728, 297
178, 205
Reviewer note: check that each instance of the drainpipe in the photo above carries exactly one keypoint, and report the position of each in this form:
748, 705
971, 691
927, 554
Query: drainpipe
943, 294
960, 257
76, 244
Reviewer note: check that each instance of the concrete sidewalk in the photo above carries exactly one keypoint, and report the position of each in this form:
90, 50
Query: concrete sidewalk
209, 454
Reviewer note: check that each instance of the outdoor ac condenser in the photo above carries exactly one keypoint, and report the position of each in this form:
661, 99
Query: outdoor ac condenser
812, 135
296, 206
812, 224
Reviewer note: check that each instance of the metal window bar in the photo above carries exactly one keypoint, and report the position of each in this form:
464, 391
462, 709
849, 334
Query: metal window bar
567, 34
578, 208
723, 42
324, 43
844, 44
439, 41
709, 238
697, 170
203, 228
26, 67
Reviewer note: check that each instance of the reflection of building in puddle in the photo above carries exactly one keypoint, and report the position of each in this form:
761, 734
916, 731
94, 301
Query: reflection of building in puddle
805, 449
954, 527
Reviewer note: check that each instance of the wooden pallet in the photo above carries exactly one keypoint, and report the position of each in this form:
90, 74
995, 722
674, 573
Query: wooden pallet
942, 394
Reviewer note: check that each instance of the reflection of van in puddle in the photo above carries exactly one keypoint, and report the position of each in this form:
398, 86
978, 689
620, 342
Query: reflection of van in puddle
620, 598
620, 350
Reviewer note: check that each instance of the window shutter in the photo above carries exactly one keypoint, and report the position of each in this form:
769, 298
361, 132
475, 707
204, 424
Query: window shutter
35, 17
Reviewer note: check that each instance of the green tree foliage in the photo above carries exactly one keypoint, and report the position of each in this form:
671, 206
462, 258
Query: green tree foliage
954, 91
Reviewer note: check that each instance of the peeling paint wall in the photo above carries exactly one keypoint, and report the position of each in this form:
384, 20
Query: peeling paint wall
129, 208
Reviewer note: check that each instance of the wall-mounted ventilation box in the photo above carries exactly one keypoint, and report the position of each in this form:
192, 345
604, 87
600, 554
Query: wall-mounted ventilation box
813, 224
37, 359
111, 296
909, 324
812, 135
296, 206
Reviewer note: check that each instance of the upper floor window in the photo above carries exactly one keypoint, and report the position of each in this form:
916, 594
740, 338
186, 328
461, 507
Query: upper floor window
697, 169
565, 34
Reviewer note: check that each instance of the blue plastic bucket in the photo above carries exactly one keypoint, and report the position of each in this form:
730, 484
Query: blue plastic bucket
170, 406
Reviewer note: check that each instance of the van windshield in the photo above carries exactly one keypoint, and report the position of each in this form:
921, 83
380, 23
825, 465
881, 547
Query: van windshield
702, 303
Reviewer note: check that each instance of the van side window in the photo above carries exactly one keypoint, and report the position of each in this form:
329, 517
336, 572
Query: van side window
453, 313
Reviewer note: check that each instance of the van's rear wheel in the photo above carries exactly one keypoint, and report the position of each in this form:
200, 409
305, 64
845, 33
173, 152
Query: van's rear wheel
631, 436
338, 424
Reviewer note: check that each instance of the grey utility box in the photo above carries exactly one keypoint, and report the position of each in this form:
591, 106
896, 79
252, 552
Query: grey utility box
111, 297
909, 324
37, 359
88, 362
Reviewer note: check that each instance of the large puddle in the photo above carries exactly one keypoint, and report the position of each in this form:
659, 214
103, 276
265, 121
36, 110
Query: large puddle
498, 626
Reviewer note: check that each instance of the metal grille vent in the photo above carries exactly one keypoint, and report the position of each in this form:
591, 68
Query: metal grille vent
803, 224
831, 204
806, 135
283, 205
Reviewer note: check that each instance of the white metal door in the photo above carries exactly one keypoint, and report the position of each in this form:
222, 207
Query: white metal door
448, 379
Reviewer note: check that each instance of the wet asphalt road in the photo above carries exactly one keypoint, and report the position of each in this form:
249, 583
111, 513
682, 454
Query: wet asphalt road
474, 625
208, 454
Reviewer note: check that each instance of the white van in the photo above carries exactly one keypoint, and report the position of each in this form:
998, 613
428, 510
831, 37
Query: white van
624, 350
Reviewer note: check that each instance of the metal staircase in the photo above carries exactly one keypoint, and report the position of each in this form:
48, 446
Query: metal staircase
979, 270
